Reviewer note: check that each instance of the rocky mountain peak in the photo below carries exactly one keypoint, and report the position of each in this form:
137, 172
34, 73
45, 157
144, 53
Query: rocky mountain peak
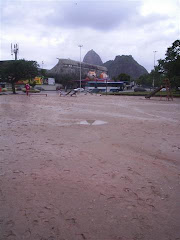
92, 57
125, 64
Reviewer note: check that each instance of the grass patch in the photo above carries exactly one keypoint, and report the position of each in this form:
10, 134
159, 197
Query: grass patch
158, 94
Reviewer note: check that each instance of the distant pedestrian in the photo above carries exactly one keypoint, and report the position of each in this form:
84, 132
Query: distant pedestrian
27, 86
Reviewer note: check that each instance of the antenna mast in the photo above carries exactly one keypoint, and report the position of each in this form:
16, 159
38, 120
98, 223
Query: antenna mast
14, 50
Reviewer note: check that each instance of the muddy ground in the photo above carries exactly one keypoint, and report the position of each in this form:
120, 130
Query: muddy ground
89, 168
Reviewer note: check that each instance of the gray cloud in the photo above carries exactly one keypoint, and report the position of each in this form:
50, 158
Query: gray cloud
100, 15
96, 15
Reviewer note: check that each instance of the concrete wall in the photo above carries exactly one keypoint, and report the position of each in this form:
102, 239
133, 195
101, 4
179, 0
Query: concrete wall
49, 87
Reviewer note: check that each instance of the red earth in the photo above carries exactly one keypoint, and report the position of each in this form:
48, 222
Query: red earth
89, 167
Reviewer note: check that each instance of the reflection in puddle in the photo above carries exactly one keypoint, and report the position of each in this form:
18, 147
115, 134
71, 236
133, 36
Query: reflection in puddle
92, 122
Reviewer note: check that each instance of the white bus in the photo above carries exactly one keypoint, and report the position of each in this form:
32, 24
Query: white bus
97, 86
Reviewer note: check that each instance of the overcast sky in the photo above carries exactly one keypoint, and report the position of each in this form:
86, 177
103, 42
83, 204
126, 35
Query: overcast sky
46, 30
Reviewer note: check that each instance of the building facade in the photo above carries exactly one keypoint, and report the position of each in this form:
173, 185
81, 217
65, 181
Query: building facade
71, 67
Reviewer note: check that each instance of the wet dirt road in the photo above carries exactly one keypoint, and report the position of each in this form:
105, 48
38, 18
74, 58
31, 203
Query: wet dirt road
89, 167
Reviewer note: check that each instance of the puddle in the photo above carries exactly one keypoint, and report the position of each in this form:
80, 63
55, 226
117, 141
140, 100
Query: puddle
92, 122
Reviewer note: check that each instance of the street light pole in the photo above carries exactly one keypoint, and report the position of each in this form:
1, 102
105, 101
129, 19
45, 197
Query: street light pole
80, 46
154, 66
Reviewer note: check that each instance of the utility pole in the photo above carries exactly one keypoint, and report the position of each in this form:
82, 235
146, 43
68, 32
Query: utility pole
154, 66
80, 46
14, 50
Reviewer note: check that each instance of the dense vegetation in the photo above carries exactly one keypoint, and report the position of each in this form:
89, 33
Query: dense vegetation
122, 77
169, 67
13, 71
67, 80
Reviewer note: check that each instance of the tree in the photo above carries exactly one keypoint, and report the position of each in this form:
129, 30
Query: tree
123, 77
43, 72
33, 84
147, 79
67, 80
144, 80
15, 70
170, 66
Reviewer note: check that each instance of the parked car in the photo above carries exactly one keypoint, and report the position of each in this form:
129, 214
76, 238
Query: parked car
163, 90
95, 90
58, 88
3, 89
18, 88
79, 89
39, 88
139, 89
